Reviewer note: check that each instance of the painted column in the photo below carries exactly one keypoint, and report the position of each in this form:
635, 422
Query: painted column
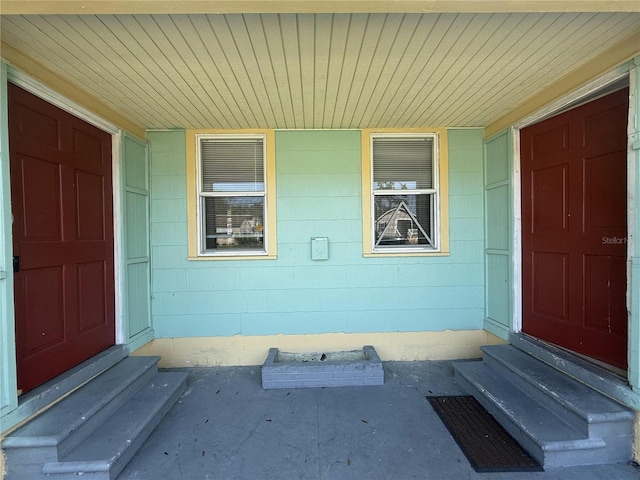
498, 234
136, 257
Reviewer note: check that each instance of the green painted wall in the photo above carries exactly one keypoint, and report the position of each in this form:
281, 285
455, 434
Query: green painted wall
318, 194
499, 233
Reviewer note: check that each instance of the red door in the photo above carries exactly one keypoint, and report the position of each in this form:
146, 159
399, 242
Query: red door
574, 229
61, 193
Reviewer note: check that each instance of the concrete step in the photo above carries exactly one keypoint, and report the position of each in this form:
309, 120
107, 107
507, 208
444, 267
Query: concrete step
49, 393
98, 428
104, 453
588, 411
545, 435
59, 429
586, 372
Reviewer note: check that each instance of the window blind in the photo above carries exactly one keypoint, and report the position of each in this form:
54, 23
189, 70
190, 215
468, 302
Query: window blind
232, 165
402, 163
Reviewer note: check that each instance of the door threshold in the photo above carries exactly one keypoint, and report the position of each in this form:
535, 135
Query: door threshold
618, 372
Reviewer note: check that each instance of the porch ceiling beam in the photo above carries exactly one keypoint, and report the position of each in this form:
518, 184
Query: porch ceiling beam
94, 7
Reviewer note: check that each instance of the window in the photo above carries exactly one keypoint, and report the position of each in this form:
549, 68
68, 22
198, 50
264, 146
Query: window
232, 200
404, 193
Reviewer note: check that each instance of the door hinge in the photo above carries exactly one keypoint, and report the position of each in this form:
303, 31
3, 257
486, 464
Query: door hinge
16, 263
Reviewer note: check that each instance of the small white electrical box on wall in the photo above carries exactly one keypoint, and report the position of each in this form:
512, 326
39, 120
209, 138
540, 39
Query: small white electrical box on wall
319, 248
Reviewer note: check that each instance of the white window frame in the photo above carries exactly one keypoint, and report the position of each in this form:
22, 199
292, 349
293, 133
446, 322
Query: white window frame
435, 192
200, 196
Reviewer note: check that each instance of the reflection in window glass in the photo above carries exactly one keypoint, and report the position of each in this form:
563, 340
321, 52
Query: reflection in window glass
403, 220
234, 223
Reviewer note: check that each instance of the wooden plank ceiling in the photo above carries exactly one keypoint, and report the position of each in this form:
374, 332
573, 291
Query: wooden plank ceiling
294, 71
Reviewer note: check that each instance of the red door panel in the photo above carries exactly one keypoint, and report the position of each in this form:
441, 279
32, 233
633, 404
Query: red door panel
550, 284
40, 188
91, 285
61, 185
549, 184
47, 315
604, 303
574, 234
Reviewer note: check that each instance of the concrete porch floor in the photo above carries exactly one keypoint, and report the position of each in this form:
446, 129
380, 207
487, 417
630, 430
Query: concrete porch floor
226, 426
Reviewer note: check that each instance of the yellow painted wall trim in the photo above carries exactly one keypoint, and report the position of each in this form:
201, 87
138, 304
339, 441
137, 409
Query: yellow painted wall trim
22, 62
606, 61
443, 191
252, 350
86, 7
192, 208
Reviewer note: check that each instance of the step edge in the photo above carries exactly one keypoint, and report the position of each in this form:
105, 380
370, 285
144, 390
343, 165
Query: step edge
27, 442
96, 466
567, 446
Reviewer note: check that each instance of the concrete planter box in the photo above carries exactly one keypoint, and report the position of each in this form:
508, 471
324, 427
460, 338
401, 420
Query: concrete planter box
330, 369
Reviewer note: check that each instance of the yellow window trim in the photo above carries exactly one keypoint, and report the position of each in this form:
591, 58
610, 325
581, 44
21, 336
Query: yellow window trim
443, 192
192, 194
